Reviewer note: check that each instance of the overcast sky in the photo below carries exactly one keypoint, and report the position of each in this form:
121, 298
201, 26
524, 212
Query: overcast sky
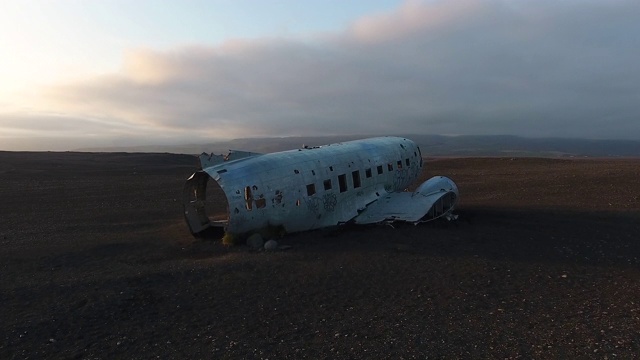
77, 73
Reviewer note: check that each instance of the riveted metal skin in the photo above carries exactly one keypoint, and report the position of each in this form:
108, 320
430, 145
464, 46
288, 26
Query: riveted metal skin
313, 187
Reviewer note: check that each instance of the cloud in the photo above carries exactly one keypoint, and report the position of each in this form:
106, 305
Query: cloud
414, 17
53, 131
541, 68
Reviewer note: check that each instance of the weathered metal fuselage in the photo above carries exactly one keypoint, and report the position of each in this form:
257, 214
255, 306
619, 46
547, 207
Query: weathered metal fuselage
303, 189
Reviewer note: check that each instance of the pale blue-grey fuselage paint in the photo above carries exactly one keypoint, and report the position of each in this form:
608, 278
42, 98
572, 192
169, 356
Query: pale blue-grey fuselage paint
315, 187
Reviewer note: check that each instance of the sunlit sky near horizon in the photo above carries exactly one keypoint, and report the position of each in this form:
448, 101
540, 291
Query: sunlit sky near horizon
45, 41
94, 73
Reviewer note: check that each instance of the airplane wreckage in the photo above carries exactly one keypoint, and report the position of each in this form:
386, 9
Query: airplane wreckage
361, 182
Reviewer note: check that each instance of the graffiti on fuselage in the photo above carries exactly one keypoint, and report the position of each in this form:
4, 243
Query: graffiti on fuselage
329, 201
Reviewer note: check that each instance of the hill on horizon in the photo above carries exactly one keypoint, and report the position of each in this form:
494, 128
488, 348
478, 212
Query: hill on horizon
431, 145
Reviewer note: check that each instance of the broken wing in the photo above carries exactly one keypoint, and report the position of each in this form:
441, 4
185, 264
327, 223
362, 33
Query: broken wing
435, 198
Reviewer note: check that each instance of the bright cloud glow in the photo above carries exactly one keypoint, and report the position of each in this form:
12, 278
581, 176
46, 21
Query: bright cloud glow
465, 67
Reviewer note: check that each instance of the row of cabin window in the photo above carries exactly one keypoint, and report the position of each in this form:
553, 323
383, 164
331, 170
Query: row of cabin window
311, 188
355, 176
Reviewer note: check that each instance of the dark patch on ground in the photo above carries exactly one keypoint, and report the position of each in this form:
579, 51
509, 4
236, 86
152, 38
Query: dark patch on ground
96, 262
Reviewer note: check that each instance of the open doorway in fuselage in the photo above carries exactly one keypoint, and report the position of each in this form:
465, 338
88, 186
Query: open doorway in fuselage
206, 207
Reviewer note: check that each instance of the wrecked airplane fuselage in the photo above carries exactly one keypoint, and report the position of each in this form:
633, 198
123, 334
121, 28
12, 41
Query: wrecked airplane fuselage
361, 181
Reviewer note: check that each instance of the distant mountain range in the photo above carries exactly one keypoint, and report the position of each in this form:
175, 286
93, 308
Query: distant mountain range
431, 145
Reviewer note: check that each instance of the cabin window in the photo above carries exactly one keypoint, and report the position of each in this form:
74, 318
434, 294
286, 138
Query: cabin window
390, 166
406, 161
342, 181
261, 203
248, 199
313, 172
367, 173
379, 169
399, 164
296, 171
330, 168
356, 178
327, 184
311, 189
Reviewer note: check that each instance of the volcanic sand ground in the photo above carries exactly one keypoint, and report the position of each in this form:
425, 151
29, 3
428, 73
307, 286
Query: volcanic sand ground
96, 262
